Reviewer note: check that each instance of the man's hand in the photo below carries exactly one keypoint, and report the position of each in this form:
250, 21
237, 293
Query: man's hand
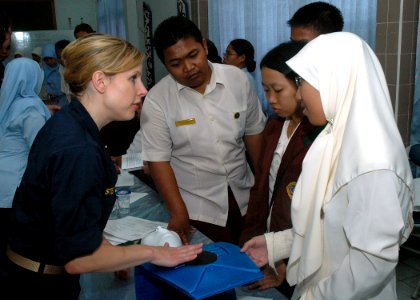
122, 274
181, 225
271, 279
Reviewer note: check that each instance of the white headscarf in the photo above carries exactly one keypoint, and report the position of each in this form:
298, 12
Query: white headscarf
361, 136
22, 82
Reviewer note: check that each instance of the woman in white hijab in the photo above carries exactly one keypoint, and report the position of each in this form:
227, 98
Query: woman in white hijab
352, 206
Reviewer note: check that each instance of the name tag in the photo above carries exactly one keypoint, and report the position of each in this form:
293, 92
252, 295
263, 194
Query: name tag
185, 122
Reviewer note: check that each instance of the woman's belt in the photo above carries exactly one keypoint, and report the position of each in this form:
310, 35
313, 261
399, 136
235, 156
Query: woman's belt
32, 265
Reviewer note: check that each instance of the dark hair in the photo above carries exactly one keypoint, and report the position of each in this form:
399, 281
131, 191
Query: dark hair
242, 46
61, 44
276, 58
322, 16
173, 29
5, 25
83, 27
213, 54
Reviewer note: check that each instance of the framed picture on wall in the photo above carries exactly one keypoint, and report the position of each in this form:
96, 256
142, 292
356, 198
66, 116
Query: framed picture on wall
30, 15
148, 35
183, 9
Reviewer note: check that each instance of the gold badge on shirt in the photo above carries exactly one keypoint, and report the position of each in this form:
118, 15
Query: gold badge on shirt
290, 188
110, 191
190, 121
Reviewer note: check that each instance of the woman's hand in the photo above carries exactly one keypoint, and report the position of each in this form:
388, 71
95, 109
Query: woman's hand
172, 256
256, 249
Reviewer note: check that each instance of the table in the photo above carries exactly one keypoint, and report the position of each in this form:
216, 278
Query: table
104, 286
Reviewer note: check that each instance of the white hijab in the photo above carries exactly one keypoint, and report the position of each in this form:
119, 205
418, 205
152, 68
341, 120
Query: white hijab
361, 136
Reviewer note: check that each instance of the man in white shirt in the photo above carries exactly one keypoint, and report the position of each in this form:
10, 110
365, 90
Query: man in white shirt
196, 124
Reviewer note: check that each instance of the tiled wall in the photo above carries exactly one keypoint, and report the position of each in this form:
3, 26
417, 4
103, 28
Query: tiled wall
396, 38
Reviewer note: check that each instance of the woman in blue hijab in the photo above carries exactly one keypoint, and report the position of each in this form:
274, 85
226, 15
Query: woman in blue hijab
22, 114
52, 77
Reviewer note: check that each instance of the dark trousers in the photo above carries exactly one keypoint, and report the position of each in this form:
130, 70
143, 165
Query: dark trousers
20, 283
233, 228
4, 231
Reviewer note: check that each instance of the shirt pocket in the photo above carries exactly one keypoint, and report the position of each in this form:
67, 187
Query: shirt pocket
238, 120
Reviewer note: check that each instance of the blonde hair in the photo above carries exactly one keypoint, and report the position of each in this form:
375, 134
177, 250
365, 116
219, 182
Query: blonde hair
97, 52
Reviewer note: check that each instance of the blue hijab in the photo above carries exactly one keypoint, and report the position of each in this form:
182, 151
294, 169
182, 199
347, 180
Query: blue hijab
22, 82
52, 77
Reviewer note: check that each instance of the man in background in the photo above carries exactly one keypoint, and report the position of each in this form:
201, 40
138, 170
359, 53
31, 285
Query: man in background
59, 47
82, 29
314, 19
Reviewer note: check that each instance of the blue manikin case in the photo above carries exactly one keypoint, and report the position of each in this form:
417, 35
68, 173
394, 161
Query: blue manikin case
230, 269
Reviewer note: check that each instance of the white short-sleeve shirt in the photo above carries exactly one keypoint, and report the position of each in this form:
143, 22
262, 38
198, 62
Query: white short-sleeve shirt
201, 135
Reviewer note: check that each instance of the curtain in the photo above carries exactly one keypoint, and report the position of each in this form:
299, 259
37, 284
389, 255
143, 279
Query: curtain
415, 122
111, 17
359, 16
264, 23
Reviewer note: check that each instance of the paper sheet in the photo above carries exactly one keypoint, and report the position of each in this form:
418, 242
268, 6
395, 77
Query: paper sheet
125, 179
129, 229
131, 161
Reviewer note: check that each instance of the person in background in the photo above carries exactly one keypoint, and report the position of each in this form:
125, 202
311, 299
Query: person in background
22, 114
68, 189
37, 54
52, 78
352, 205
196, 124
414, 154
5, 40
59, 47
135, 148
240, 53
212, 53
82, 29
314, 19
118, 135
286, 139
18, 54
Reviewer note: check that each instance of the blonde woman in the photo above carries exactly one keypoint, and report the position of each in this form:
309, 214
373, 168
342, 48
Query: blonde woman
67, 192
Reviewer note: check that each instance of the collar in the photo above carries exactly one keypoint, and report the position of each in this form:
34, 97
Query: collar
217, 77
83, 117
